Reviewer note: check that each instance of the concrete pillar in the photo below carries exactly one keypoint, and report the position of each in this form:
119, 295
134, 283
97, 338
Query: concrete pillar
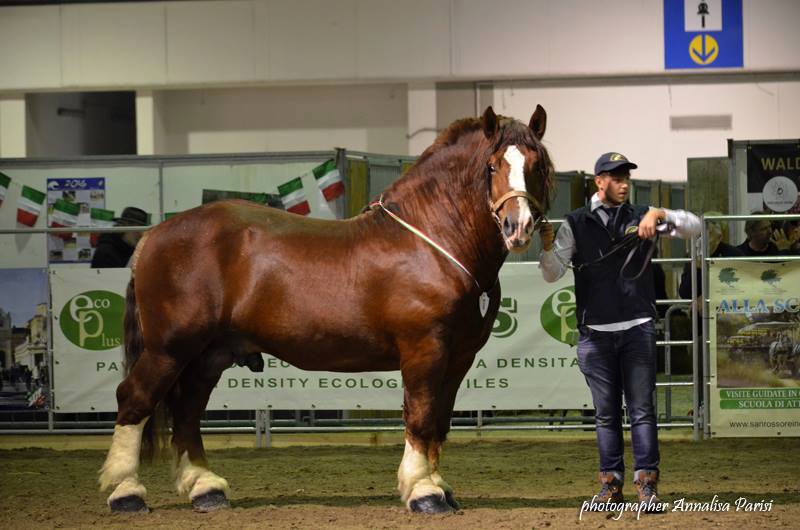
12, 126
421, 116
149, 123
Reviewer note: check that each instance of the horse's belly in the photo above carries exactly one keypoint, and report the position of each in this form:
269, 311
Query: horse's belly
314, 349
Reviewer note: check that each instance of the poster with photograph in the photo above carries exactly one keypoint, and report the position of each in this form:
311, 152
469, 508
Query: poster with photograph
24, 373
755, 348
69, 203
773, 178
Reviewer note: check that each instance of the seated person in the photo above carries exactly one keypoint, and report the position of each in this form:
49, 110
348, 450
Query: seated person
716, 248
758, 242
114, 250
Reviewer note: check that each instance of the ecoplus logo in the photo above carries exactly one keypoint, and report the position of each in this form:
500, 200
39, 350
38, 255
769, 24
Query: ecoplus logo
558, 316
505, 323
93, 320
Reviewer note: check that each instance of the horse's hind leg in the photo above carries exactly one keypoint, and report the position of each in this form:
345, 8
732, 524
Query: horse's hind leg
206, 490
137, 397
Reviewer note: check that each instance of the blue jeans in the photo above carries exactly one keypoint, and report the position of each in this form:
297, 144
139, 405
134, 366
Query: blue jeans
613, 363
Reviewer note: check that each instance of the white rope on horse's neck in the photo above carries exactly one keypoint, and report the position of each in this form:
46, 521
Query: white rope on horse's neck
417, 232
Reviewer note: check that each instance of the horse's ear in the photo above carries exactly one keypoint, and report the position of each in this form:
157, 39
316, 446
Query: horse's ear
489, 122
538, 122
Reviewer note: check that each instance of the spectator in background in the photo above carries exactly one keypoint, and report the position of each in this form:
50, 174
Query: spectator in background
115, 250
759, 238
716, 248
787, 237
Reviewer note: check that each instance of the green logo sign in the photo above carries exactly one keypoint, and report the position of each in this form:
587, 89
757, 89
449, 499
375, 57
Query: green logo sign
770, 276
505, 323
93, 320
558, 316
728, 276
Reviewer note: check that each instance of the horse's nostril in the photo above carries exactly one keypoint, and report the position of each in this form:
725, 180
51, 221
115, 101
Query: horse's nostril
529, 226
509, 227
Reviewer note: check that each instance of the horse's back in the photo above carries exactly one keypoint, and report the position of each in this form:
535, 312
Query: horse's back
259, 272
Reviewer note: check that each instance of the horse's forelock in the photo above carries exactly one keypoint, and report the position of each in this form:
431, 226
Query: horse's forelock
513, 132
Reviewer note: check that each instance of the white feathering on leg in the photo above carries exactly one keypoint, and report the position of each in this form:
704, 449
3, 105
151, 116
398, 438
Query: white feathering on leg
413, 476
122, 461
438, 481
197, 480
129, 486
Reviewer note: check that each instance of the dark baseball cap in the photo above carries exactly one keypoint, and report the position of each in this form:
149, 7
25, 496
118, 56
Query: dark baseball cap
611, 161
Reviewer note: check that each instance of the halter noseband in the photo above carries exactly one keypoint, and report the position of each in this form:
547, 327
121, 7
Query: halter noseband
498, 204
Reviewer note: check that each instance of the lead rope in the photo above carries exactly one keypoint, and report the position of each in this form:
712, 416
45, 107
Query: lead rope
633, 241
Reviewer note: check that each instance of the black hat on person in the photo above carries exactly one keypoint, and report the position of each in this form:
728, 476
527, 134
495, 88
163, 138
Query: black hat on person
611, 161
133, 216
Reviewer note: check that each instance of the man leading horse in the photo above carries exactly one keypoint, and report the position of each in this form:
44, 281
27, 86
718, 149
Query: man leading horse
608, 244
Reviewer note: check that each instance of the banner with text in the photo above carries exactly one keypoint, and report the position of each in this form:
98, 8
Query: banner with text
773, 177
528, 363
755, 349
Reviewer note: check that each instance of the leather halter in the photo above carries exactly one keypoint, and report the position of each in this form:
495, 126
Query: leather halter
498, 204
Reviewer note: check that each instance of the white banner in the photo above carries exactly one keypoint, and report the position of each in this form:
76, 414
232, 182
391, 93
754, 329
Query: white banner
526, 364
755, 348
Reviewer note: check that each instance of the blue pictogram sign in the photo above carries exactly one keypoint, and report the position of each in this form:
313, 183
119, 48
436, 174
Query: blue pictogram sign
703, 34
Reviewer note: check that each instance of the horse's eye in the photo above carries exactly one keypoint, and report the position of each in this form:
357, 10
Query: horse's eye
492, 169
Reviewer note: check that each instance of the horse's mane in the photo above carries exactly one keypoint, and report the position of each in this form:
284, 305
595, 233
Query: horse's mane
458, 158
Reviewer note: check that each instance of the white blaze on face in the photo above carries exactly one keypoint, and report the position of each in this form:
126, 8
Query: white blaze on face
516, 181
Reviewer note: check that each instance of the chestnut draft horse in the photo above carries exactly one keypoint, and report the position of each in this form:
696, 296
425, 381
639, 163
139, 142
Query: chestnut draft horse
222, 282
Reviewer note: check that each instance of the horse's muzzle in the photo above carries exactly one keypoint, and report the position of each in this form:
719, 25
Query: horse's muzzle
517, 236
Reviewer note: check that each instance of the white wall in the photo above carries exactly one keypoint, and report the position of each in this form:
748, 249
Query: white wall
361, 117
272, 75
632, 117
173, 44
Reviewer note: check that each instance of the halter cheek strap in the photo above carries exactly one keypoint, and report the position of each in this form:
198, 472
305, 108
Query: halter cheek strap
498, 204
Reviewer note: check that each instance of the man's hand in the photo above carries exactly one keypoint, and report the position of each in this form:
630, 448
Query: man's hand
547, 236
781, 241
647, 226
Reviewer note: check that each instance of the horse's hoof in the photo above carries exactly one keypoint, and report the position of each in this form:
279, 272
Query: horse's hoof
430, 504
129, 504
209, 502
451, 501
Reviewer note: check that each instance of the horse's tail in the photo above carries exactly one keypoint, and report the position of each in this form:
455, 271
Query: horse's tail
155, 430
132, 329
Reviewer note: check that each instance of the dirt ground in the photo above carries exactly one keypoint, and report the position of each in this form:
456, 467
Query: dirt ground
506, 481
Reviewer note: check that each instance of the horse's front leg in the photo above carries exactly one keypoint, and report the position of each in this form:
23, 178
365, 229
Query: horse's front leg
455, 373
423, 367
207, 490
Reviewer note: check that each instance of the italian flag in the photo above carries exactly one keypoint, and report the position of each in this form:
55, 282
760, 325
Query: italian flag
4, 181
293, 197
100, 218
65, 214
29, 205
329, 180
